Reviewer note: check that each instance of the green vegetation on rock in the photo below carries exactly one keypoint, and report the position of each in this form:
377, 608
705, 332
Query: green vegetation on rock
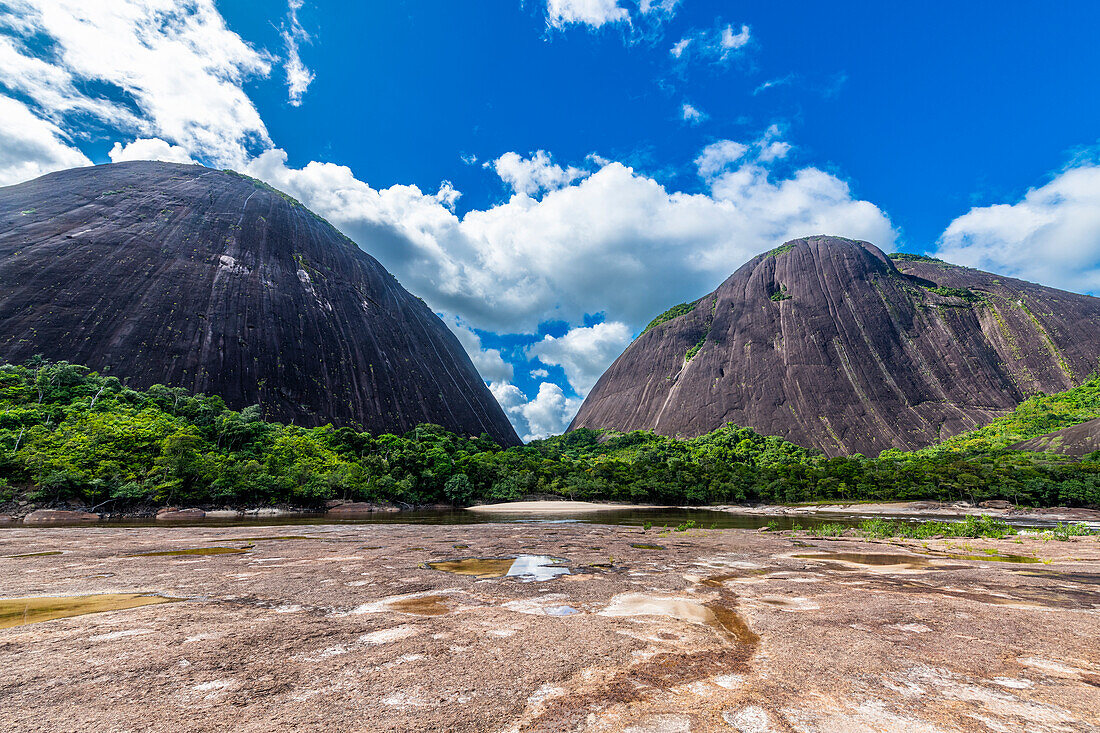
908, 257
69, 435
674, 312
695, 349
964, 293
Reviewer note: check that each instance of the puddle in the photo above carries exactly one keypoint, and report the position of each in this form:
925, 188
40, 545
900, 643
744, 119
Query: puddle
35, 554
22, 611
193, 551
649, 547
524, 567
1069, 577
993, 557
560, 611
420, 606
715, 615
868, 558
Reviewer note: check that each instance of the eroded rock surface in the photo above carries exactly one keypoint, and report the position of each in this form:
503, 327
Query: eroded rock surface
833, 345
161, 273
346, 627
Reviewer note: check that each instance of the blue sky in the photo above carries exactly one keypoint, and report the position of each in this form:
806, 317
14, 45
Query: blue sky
550, 174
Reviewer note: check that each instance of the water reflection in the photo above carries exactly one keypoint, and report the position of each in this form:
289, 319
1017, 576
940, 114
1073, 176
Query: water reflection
524, 567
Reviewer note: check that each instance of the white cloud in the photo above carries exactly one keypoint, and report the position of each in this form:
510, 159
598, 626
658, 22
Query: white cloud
490, 364
1051, 235
594, 13
149, 149
667, 7
175, 70
30, 146
548, 414
298, 77
730, 41
533, 175
716, 45
772, 83
716, 156
540, 373
691, 115
584, 353
616, 241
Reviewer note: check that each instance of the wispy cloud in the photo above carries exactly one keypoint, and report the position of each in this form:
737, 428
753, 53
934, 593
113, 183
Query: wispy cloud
773, 83
717, 45
298, 76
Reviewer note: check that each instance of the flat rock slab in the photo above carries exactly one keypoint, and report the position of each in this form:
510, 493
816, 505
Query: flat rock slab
347, 627
357, 509
58, 516
180, 515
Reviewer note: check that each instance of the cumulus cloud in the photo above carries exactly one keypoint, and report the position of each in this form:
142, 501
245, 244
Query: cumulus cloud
692, 115
593, 13
549, 413
489, 363
584, 353
1051, 235
716, 45
535, 174
298, 76
616, 241
170, 70
31, 146
149, 149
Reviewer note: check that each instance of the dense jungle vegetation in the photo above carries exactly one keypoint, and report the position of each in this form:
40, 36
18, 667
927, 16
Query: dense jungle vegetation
70, 435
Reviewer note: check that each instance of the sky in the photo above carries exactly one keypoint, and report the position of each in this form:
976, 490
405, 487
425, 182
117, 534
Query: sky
549, 175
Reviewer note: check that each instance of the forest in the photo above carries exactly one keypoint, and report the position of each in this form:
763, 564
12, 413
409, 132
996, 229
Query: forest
69, 435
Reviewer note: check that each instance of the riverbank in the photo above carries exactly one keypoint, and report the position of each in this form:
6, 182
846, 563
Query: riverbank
560, 507
30, 514
930, 509
382, 628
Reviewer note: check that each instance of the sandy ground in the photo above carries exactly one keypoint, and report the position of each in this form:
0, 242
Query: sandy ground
347, 628
556, 507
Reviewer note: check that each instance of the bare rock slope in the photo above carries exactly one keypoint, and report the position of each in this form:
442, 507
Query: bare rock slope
833, 345
203, 279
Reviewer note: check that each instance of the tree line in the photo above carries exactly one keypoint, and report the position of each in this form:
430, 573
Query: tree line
68, 434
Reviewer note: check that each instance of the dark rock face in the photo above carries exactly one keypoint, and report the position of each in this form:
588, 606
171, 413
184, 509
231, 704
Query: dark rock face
191, 277
833, 345
1077, 441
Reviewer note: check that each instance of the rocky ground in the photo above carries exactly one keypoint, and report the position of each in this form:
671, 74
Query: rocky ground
346, 627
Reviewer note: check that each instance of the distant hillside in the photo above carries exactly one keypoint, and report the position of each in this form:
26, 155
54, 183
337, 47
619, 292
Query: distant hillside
159, 273
833, 345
